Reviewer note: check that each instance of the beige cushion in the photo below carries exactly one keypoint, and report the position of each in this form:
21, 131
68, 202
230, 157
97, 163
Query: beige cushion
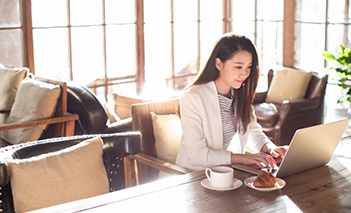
10, 78
288, 84
70, 174
34, 100
111, 114
167, 131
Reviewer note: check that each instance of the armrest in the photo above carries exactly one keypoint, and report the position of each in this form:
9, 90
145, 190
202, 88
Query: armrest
158, 164
120, 126
121, 143
136, 168
260, 97
291, 107
116, 147
4, 173
61, 119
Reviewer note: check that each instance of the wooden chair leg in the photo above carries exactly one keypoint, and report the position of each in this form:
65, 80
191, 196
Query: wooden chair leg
131, 173
69, 128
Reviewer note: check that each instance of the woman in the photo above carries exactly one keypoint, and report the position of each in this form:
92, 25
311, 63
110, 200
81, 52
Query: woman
217, 116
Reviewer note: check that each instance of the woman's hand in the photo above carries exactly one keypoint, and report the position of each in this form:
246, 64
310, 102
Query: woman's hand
278, 152
275, 151
260, 160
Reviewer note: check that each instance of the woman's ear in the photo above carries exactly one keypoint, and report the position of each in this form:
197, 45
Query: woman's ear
219, 64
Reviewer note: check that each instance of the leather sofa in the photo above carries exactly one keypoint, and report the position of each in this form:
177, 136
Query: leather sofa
280, 121
115, 147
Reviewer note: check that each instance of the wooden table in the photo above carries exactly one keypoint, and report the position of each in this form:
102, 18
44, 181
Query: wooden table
324, 189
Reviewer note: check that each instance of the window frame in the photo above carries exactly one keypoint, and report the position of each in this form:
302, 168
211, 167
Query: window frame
288, 41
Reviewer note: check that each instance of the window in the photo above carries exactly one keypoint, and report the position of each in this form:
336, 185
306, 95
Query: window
118, 46
262, 22
322, 25
104, 44
310, 21
11, 34
178, 39
84, 40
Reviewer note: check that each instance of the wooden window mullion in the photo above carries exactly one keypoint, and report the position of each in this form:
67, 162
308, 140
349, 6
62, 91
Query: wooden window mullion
69, 31
105, 48
226, 16
289, 33
140, 45
28, 34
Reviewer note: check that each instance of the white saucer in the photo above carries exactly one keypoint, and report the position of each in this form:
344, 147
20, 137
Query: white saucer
279, 185
236, 184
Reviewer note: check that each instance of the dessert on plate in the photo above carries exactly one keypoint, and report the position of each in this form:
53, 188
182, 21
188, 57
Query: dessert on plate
265, 179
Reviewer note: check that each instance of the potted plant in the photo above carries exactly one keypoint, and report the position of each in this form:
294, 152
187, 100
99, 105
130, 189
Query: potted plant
344, 70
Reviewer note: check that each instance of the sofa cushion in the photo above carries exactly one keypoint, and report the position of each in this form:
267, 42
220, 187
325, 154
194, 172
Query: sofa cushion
10, 79
34, 100
70, 174
167, 131
288, 84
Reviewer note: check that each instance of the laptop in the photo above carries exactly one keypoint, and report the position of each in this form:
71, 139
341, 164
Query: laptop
310, 147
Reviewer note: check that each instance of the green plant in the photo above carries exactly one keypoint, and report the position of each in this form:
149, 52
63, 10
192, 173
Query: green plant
344, 59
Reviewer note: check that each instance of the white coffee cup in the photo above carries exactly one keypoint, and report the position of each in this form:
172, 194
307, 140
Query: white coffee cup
220, 176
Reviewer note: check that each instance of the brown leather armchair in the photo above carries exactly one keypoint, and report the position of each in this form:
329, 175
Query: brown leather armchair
280, 121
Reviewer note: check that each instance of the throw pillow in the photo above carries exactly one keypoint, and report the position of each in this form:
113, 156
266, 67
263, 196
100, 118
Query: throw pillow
70, 174
288, 84
34, 100
167, 131
111, 114
10, 79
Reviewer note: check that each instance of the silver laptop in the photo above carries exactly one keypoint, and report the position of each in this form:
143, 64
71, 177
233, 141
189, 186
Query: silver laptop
310, 147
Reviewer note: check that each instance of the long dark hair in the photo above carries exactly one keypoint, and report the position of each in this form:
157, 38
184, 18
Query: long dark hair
225, 48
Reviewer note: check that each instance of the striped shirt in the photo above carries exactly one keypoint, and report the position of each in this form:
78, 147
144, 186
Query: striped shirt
228, 119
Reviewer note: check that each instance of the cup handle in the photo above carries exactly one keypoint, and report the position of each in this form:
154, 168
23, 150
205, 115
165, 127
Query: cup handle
207, 174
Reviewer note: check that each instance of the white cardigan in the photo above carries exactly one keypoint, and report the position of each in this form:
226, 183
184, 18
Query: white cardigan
201, 143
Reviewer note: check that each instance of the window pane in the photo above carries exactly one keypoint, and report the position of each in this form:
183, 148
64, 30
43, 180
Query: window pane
210, 32
336, 37
156, 11
120, 50
246, 28
243, 10
11, 46
87, 54
185, 10
86, 12
120, 11
311, 10
185, 48
51, 53
49, 13
10, 13
157, 52
270, 10
336, 11
211, 10
309, 47
269, 45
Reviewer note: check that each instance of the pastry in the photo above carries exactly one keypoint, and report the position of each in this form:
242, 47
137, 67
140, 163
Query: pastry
265, 179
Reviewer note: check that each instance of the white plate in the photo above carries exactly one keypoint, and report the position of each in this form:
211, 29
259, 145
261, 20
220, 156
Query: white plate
236, 184
279, 185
